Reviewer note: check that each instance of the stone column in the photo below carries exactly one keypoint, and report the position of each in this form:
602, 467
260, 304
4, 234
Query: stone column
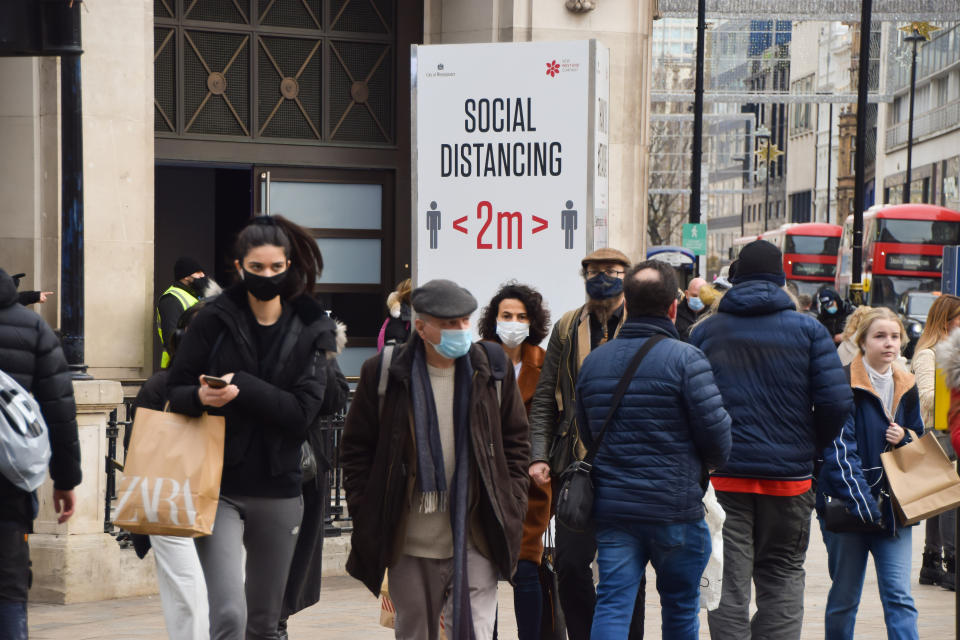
76, 561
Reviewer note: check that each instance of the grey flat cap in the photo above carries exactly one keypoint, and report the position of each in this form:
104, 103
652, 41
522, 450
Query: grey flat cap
443, 299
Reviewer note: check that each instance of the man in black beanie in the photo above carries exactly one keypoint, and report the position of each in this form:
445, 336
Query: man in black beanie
189, 285
787, 395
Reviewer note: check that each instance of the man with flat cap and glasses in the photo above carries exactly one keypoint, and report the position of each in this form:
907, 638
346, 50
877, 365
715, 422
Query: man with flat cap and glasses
554, 433
434, 454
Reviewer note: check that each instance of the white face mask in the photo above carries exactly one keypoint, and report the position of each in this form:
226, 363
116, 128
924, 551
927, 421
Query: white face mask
512, 334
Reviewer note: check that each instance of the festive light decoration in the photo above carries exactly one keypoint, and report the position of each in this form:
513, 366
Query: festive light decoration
923, 29
768, 152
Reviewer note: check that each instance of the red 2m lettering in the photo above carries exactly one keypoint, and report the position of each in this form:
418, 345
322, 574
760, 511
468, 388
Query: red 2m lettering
480, 207
509, 218
485, 209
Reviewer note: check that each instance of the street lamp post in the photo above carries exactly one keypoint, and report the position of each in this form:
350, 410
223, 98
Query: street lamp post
916, 32
913, 38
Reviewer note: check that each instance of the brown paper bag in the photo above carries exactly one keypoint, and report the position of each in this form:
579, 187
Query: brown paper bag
922, 479
171, 478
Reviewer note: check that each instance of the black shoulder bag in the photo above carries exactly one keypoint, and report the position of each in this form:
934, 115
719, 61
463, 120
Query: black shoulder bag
575, 499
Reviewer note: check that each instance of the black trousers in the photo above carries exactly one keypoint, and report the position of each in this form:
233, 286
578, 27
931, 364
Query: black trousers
14, 562
578, 595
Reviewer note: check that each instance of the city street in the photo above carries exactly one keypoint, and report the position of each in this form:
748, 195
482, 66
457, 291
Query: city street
346, 611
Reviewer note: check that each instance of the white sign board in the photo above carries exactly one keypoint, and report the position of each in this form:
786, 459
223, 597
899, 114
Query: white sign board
508, 171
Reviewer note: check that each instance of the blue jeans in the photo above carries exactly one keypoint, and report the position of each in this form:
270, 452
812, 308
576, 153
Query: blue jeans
678, 553
847, 562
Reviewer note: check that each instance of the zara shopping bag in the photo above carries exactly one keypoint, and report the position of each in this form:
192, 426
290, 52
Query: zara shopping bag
171, 477
923, 481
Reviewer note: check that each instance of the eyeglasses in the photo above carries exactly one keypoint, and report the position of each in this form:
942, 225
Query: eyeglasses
613, 273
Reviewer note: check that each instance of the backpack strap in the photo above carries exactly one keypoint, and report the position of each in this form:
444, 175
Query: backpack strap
625, 380
385, 357
498, 365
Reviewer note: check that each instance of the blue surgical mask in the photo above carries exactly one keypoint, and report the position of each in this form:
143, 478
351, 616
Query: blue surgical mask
695, 303
831, 309
602, 286
454, 343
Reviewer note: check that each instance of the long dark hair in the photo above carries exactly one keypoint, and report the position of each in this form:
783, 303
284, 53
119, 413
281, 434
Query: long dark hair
306, 262
538, 315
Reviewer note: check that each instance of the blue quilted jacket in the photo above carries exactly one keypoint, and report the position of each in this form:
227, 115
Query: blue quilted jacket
668, 430
781, 382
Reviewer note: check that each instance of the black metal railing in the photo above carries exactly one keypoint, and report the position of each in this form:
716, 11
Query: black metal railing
113, 465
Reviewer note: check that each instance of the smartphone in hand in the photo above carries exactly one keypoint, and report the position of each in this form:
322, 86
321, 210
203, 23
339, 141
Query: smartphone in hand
214, 382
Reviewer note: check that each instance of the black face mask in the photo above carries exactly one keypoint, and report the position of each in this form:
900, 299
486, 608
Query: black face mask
199, 285
262, 287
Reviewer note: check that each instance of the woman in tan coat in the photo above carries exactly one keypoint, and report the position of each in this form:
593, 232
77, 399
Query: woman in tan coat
517, 318
939, 547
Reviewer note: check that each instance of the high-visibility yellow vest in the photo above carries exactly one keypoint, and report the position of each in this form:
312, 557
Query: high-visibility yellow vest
187, 300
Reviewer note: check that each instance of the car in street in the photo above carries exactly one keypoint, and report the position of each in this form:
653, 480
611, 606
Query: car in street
913, 309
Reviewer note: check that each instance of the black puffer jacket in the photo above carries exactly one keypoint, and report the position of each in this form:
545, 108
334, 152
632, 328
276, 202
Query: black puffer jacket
280, 397
30, 353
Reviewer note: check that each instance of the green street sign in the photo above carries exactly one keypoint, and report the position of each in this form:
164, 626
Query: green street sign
695, 238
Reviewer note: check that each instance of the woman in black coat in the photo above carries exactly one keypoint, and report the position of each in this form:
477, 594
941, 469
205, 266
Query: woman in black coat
257, 355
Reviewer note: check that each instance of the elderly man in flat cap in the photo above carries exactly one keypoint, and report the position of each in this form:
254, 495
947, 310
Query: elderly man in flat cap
554, 434
435, 453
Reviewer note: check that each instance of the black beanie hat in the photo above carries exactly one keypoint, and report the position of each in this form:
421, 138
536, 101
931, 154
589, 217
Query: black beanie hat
760, 260
184, 267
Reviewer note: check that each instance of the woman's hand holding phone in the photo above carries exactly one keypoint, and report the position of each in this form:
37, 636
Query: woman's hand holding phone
217, 391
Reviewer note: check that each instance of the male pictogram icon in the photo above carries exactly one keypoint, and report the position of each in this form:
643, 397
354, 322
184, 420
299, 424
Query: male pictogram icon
433, 224
568, 222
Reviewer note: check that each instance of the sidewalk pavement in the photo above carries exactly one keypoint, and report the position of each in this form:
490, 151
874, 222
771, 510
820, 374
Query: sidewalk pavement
347, 611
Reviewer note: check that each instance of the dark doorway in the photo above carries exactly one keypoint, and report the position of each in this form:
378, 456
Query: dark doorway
197, 212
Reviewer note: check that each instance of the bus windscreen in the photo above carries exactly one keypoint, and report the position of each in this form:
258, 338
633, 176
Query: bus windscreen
918, 231
812, 245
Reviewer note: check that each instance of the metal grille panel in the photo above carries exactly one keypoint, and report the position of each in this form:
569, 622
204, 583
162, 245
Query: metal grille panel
165, 80
298, 14
164, 8
217, 10
206, 112
281, 110
361, 16
307, 87
368, 120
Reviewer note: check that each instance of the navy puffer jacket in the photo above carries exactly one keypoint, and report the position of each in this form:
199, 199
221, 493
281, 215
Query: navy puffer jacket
781, 381
852, 470
669, 429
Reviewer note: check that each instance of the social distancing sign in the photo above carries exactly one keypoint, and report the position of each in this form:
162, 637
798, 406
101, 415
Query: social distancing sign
510, 158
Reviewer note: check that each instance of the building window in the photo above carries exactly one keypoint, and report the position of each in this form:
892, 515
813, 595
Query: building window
800, 204
801, 121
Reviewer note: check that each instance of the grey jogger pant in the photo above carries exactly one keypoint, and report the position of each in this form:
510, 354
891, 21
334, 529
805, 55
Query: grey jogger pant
267, 528
765, 540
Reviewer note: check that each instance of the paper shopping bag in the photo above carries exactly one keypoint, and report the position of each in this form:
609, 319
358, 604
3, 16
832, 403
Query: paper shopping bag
923, 481
171, 477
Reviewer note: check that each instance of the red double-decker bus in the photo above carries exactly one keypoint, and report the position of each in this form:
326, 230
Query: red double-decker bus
809, 253
902, 250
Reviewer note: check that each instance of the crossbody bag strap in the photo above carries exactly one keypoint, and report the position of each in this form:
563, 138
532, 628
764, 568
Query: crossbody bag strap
621, 389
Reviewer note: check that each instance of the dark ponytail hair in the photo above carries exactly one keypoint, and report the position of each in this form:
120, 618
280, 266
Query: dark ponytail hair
306, 262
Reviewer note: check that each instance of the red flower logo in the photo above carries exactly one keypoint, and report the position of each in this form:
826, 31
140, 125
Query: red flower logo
553, 68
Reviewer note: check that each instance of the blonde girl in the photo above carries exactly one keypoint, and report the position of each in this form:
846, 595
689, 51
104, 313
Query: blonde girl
886, 413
